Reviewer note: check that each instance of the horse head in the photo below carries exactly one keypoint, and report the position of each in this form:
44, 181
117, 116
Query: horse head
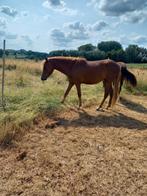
47, 69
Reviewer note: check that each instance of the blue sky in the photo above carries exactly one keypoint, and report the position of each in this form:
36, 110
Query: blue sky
45, 25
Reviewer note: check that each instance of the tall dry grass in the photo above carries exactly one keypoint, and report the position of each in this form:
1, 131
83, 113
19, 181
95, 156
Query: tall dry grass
141, 75
27, 96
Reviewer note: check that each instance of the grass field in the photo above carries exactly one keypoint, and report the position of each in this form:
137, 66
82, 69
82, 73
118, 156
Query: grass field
27, 97
60, 150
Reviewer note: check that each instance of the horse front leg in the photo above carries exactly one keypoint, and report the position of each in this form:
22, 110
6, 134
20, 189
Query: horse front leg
70, 85
78, 86
105, 96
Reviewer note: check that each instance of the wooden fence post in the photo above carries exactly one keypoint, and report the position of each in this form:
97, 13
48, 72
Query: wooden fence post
3, 75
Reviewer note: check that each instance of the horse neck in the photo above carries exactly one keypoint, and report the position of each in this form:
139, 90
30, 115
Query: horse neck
63, 67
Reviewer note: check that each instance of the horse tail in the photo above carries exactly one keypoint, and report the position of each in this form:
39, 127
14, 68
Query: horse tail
128, 76
116, 85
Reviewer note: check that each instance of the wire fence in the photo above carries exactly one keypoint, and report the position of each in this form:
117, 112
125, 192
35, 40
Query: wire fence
3, 103
16, 75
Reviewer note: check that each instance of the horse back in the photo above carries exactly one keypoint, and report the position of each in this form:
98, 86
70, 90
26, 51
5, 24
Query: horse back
107, 66
92, 72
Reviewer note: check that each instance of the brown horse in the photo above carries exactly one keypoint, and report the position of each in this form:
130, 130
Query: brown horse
79, 70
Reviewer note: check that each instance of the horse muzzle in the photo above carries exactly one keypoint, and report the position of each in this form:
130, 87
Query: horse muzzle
42, 78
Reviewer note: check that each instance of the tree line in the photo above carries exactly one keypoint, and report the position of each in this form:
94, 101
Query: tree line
104, 50
107, 49
24, 54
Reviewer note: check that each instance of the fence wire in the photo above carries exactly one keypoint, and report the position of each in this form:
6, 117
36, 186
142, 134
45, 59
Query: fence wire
19, 77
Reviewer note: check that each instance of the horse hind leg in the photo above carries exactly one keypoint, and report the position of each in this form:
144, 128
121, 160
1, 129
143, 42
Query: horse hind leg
116, 89
121, 83
106, 93
111, 96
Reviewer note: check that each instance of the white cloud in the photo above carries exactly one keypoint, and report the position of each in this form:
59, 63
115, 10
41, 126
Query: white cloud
78, 26
139, 39
98, 26
133, 39
75, 31
2, 33
135, 17
93, 2
54, 4
24, 13
130, 11
75, 26
59, 6
78, 35
62, 39
27, 39
59, 38
7, 35
2, 22
8, 11
11, 36
120, 7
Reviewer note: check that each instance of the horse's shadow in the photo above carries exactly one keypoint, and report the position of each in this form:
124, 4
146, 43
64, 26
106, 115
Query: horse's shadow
100, 120
133, 106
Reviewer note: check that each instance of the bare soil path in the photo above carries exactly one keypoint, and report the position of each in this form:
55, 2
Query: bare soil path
80, 152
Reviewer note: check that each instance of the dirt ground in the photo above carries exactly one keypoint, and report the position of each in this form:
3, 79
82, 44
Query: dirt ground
80, 152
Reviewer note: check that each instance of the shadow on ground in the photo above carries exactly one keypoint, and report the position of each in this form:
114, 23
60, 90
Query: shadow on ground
101, 120
133, 106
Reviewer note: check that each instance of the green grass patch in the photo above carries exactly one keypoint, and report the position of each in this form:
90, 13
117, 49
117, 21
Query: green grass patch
138, 66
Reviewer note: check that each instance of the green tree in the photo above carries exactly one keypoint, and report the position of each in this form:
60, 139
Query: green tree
107, 46
117, 55
75, 53
94, 55
87, 47
132, 54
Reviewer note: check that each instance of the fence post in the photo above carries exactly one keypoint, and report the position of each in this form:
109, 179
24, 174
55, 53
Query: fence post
3, 75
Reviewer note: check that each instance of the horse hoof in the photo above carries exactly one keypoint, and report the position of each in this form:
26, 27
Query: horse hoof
109, 108
98, 109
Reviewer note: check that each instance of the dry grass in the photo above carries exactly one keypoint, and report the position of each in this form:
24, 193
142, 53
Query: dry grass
141, 75
27, 97
71, 152
80, 153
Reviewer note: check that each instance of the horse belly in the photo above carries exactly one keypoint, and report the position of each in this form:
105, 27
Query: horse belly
93, 78
88, 75
91, 81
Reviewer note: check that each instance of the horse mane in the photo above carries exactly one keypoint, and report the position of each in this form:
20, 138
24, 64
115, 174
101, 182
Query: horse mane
68, 58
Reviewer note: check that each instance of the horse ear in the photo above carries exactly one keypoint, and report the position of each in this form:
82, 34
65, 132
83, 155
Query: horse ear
46, 59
